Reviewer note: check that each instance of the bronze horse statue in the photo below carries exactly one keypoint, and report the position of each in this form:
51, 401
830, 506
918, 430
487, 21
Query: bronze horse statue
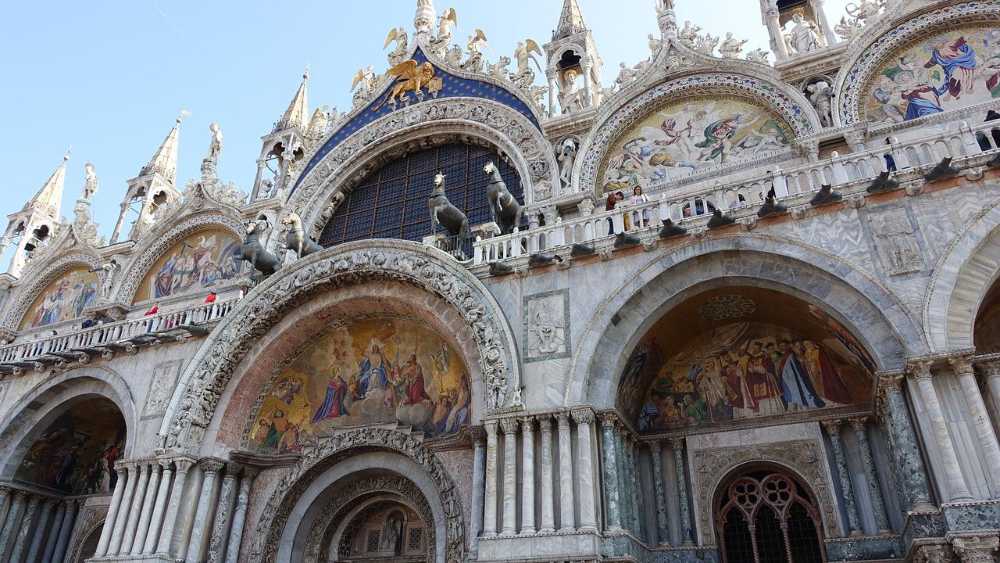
444, 213
504, 208
253, 251
295, 237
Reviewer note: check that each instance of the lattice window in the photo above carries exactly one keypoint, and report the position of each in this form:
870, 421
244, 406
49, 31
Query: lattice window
374, 537
415, 541
391, 202
768, 518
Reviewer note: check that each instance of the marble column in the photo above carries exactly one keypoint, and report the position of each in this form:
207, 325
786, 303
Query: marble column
584, 419
633, 477
547, 492
223, 516
553, 92
980, 418
202, 516
136, 510
478, 488
677, 444
240, 515
165, 544
991, 371
147, 508
490, 500
567, 520
27, 529
955, 488
66, 529
50, 542
611, 492
113, 510
159, 506
527, 475
12, 525
5, 497
843, 475
40, 528
909, 466
662, 528
624, 490
860, 424
118, 530
509, 516
772, 18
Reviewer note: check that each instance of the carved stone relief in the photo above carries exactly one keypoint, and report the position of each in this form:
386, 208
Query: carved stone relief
897, 239
161, 387
546, 326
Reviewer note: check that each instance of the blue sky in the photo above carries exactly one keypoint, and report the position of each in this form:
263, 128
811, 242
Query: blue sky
108, 78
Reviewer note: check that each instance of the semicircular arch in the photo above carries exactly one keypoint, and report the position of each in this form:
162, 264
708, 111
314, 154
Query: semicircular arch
434, 121
31, 288
194, 403
859, 302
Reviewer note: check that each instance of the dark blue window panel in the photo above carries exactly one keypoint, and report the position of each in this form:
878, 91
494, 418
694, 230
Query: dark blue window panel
391, 202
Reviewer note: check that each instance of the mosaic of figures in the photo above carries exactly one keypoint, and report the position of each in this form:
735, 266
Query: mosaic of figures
370, 371
64, 299
200, 261
77, 452
745, 369
689, 135
947, 71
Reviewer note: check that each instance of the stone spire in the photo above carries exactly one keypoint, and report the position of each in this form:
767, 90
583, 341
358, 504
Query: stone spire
164, 161
570, 20
298, 111
49, 197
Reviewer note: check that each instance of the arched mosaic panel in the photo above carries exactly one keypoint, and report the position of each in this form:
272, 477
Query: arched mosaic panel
361, 372
64, 299
690, 134
200, 261
944, 71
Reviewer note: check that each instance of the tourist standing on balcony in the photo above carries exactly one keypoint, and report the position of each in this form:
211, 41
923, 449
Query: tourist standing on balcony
609, 205
638, 198
890, 161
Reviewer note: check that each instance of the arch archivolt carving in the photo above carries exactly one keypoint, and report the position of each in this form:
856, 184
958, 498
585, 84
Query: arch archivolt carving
47, 400
325, 455
961, 279
784, 100
803, 459
34, 284
853, 297
161, 240
859, 69
193, 405
399, 488
501, 126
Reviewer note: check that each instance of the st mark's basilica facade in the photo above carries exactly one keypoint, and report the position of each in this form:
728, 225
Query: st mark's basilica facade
735, 307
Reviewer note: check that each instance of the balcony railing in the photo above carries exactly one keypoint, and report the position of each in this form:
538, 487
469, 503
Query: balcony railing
683, 205
108, 337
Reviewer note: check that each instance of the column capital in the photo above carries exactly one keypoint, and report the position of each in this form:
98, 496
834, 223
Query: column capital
990, 368
563, 418
491, 427
655, 447
184, 464
478, 434
609, 418
920, 369
859, 423
527, 424
583, 416
677, 443
125, 465
508, 425
6, 490
211, 465
832, 427
250, 473
962, 364
976, 549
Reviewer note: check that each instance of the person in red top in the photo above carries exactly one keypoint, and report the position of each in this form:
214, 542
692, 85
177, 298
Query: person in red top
153, 310
210, 298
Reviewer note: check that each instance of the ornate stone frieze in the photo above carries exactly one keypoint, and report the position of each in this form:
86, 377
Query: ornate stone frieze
790, 105
211, 369
852, 83
498, 124
547, 326
318, 457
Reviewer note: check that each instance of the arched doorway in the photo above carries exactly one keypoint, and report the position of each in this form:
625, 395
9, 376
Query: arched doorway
765, 515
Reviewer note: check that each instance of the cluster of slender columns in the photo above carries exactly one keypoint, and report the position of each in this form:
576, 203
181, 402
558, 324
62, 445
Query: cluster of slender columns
560, 462
624, 501
859, 427
35, 528
176, 508
955, 488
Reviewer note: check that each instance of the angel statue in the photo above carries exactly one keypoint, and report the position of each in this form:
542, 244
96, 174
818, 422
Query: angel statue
804, 36
215, 147
821, 96
400, 52
89, 182
446, 23
524, 53
410, 76
731, 47
499, 71
758, 56
475, 46
363, 84
689, 33
454, 56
